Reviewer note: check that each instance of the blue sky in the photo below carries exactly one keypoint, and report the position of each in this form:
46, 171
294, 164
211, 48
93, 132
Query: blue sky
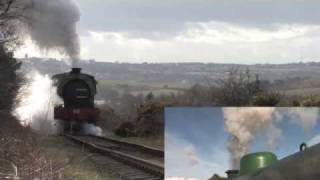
196, 138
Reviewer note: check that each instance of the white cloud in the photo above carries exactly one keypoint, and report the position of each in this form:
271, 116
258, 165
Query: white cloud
97, 37
210, 42
304, 117
191, 155
183, 160
114, 46
219, 32
203, 42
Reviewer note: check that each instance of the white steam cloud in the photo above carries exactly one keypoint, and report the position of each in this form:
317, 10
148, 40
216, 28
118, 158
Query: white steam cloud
35, 103
90, 129
244, 123
52, 26
35, 107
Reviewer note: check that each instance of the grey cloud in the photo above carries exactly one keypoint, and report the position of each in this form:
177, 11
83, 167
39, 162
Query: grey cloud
164, 18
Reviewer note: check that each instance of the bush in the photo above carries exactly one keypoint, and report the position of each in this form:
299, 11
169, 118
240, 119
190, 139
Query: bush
238, 89
266, 99
125, 129
150, 120
108, 118
312, 100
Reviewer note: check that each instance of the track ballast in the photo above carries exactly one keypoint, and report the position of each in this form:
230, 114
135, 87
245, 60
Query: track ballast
130, 161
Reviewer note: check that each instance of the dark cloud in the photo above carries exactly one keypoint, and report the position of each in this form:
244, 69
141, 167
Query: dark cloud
151, 18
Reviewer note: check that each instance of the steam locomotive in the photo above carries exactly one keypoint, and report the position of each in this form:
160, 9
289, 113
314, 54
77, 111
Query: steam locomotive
77, 91
265, 166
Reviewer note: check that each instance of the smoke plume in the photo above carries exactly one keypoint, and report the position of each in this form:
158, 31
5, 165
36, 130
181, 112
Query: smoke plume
52, 26
242, 124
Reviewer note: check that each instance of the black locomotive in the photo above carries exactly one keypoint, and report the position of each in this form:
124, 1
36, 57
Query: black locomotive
77, 91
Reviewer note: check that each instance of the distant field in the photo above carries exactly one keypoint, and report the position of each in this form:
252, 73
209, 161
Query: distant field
158, 88
138, 83
156, 92
135, 88
302, 91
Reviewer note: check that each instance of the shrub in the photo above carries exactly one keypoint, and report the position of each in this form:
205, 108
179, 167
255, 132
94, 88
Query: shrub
150, 120
125, 129
311, 100
266, 99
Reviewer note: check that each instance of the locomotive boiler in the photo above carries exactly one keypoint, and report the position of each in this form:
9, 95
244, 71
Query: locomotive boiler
265, 166
77, 90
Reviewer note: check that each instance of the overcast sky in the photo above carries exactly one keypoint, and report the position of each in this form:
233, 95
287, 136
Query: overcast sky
228, 31
196, 140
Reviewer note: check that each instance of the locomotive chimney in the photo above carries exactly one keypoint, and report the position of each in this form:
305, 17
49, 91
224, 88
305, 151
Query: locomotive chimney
76, 70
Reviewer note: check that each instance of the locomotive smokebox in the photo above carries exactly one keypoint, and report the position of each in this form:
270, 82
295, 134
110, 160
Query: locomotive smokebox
76, 70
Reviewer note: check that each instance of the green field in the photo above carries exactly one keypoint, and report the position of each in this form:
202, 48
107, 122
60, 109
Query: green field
302, 91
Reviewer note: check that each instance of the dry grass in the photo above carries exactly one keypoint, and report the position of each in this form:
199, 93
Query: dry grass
78, 163
26, 155
23, 158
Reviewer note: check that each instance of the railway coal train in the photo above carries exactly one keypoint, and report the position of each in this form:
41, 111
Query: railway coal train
77, 91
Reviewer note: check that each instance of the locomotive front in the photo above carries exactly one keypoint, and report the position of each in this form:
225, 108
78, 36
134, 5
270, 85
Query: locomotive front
77, 91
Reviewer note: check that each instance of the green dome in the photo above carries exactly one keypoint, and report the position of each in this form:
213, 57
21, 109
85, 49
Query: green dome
255, 161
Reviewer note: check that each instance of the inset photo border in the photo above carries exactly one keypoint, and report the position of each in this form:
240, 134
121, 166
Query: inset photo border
241, 142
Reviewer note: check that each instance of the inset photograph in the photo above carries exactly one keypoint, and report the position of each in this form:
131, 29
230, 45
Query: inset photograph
241, 143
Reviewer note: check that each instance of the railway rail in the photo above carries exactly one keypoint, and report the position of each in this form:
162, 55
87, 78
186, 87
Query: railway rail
131, 161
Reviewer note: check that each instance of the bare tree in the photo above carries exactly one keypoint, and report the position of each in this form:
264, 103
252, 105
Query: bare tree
11, 16
239, 88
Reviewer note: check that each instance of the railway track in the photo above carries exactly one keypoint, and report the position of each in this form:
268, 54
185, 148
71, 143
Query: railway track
130, 161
